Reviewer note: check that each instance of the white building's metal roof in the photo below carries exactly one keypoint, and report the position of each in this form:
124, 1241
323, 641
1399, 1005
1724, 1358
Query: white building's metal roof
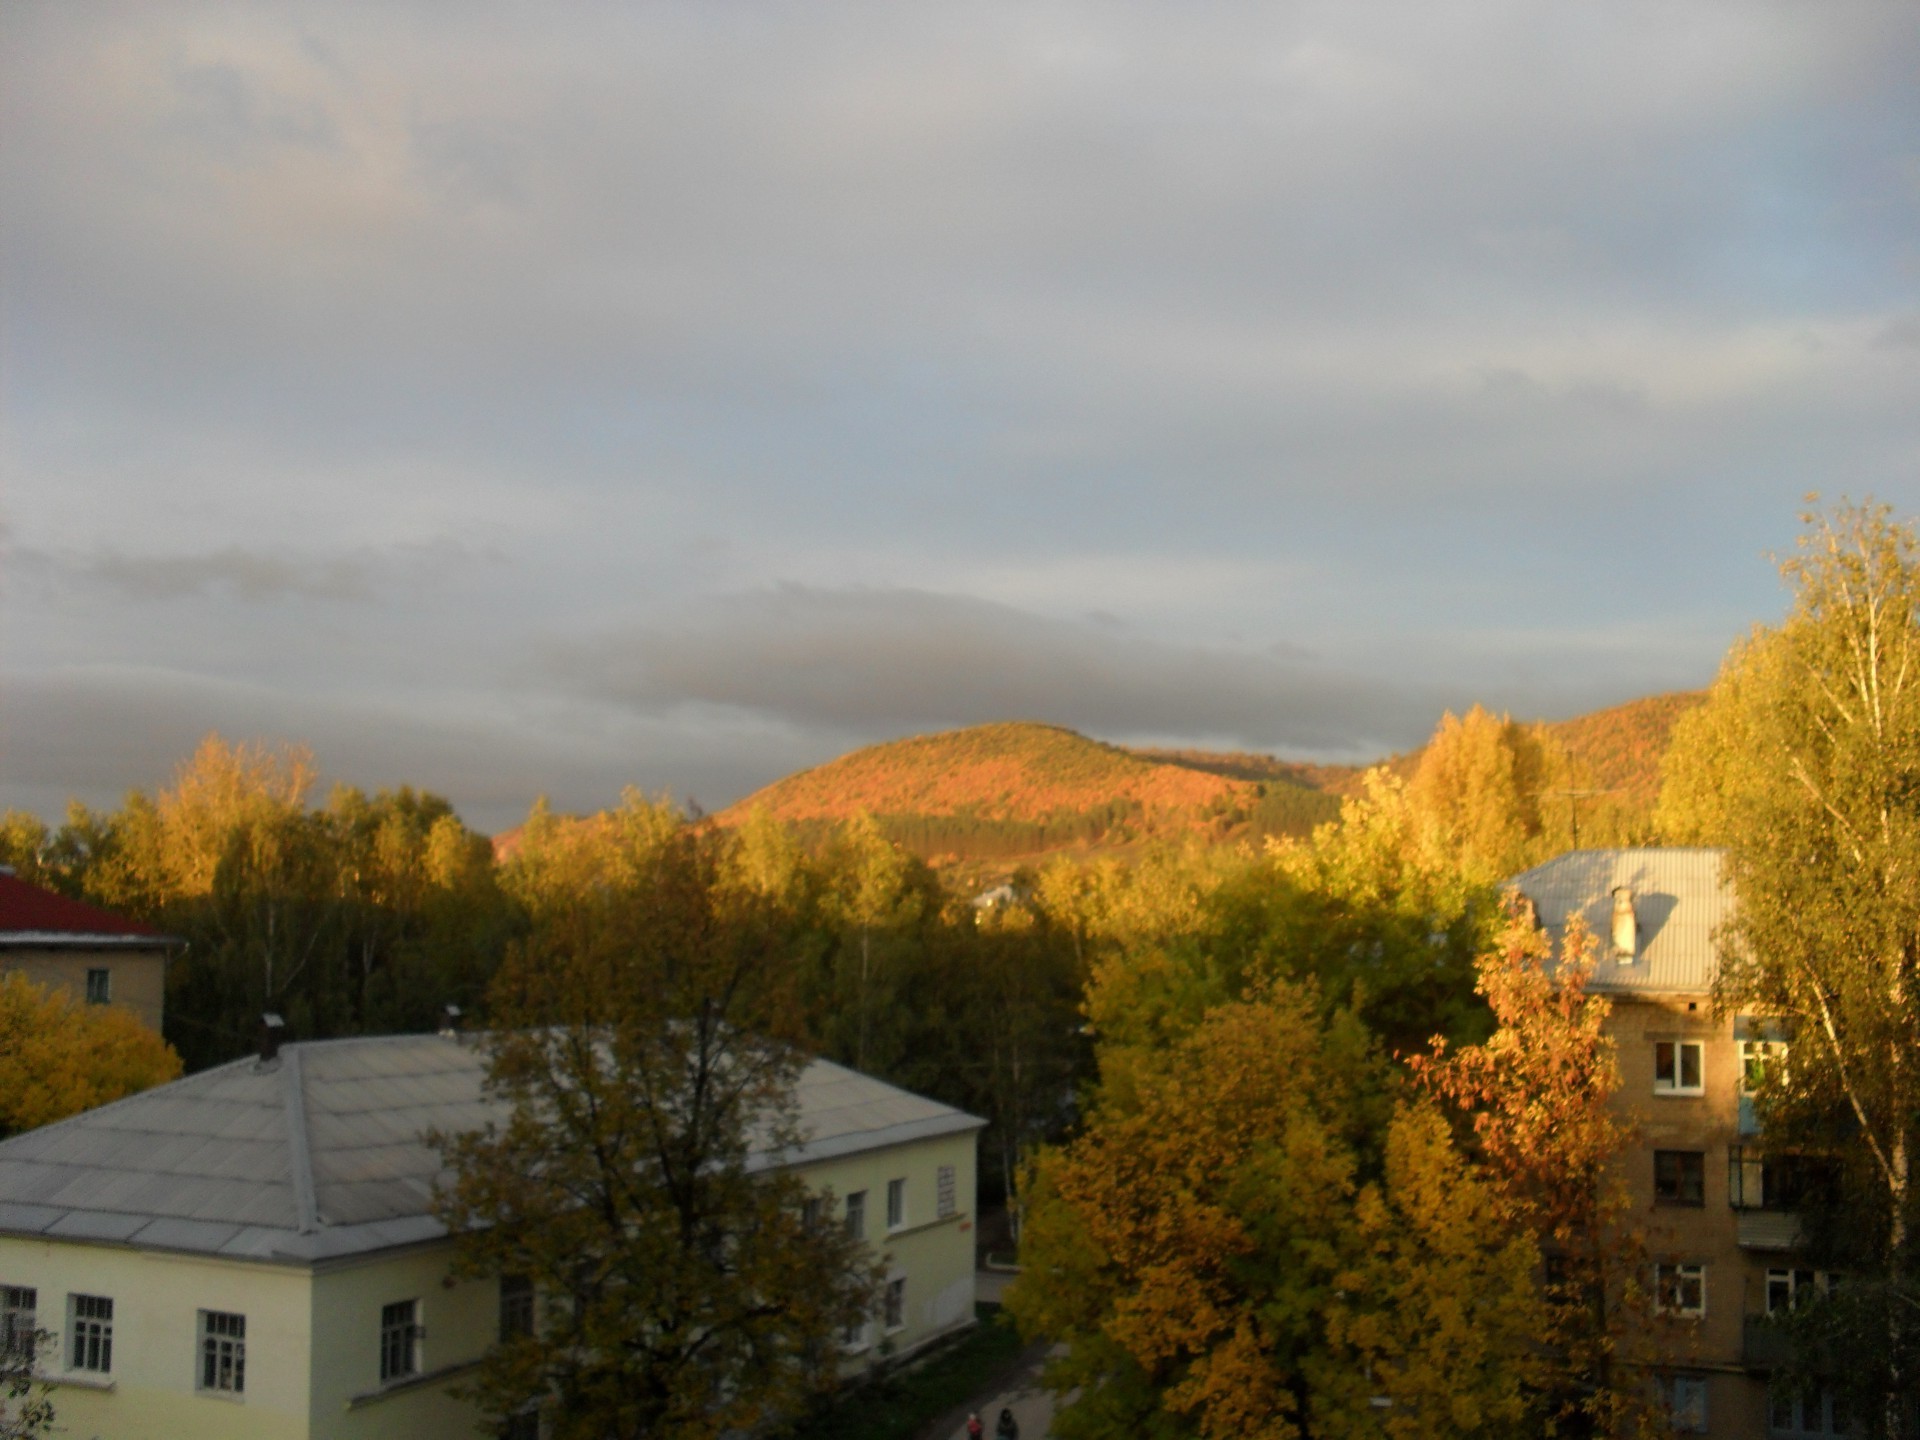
318, 1154
1681, 900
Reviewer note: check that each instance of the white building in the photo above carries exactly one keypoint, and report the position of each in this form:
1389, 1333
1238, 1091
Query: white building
248, 1251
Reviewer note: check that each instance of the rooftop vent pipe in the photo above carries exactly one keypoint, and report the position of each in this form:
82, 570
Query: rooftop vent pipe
272, 1031
1626, 929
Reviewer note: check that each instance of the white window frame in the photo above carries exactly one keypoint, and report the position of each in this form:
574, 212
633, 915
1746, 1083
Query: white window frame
518, 1313
401, 1340
1796, 1282
90, 1333
1675, 1280
857, 1336
1673, 1081
220, 1358
897, 1204
19, 1320
894, 1305
104, 974
946, 1190
857, 1215
1756, 1058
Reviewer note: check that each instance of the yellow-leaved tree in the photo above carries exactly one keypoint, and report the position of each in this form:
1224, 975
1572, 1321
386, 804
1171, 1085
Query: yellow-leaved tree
58, 1057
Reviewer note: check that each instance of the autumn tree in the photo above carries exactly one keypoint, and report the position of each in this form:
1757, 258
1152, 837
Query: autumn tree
1225, 1252
1537, 1093
637, 1046
59, 1057
26, 1407
1482, 783
1805, 762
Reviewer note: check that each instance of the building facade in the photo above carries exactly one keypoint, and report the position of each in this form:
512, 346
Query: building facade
92, 954
248, 1252
1712, 1202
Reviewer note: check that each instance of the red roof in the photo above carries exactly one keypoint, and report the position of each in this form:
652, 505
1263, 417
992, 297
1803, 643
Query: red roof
28, 909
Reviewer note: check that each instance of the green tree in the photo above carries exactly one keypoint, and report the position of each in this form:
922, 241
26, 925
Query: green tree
680, 1288
1805, 762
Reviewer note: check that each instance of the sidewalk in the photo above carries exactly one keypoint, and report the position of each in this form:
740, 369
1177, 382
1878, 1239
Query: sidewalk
1015, 1388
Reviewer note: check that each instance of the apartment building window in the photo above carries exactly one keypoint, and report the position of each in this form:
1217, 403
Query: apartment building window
1757, 1057
90, 1324
1685, 1397
896, 1304
896, 1204
1679, 1067
1680, 1290
99, 987
1680, 1177
223, 1352
811, 1212
19, 1319
946, 1192
1788, 1288
854, 1337
1757, 1181
400, 1335
1806, 1415
516, 1306
857, 1215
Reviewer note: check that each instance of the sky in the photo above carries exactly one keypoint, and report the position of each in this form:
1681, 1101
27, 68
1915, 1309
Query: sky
511, 400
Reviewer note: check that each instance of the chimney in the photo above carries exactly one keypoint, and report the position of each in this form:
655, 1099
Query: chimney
449, 1022
1626, 929
272, 1031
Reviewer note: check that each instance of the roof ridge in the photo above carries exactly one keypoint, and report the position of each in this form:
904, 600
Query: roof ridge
299, 1152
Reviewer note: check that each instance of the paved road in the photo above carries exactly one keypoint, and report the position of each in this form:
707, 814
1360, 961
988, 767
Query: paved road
1016, 1388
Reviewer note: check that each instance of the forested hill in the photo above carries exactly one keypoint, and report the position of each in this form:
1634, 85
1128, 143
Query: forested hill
1014, 789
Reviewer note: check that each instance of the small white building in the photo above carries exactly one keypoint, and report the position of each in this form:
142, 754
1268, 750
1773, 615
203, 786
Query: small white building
248, 1252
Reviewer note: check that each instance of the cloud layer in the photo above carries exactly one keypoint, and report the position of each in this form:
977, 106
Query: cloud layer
741, 383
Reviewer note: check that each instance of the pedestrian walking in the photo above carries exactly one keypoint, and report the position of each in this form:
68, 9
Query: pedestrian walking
975, 1430
1008, 1428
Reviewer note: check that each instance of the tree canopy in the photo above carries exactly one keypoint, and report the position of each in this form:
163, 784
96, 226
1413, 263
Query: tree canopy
59, 1056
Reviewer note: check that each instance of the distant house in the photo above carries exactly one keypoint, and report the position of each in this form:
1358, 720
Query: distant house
249, 1251
1716, 1203
93, 954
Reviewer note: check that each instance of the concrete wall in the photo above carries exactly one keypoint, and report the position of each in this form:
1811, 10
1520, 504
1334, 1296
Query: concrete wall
150, 1393
1712, 1346
138, 978
934, 1254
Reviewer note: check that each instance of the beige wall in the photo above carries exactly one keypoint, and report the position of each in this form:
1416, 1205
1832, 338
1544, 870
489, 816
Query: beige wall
1735, 1277
313, 1337
156, 1300
138, 983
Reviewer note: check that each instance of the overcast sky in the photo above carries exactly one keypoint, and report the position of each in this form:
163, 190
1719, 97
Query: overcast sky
549, 398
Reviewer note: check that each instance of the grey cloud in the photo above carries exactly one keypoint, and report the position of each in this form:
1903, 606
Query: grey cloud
888, 661
94, 732
246, 574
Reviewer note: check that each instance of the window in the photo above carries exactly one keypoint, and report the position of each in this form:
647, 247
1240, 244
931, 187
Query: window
945, 1192
896, 1204
1685, 1397
516, 1306
223, 1352
1756, 1181
857, 1215
1679, 1177
1788, 1288
400, 1339
90, 1323
19, 1305
1678, 1066
1757, 1057
854, 1336
896, 1304
1680, 1290
99, 987
1814, 1415
810, 1212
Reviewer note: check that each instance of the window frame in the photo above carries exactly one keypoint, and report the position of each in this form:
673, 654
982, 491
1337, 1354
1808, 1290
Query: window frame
516, 1312
897, 1204
401, 1337
856, 1215
221, 1353
1697, 1169
946, 1192
1673, 1279
101, 993
1696, 1418
19, 1321
1674, 1081
90, 1335
893, 1303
